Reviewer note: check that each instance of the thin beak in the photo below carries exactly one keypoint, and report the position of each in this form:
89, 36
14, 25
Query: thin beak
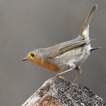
24, 59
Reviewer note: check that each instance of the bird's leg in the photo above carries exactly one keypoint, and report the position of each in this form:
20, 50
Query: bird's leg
63, 72
79, 73
72, 67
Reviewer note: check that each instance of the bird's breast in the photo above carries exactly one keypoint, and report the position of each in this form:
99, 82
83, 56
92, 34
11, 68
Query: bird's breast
47, 64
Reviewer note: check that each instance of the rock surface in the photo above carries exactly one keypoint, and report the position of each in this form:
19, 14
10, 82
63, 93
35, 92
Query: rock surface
60, 92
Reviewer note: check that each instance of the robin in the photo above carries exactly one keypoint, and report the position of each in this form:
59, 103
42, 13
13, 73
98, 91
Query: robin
68, 55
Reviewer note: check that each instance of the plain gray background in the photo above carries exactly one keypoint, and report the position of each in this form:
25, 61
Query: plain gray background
30, 24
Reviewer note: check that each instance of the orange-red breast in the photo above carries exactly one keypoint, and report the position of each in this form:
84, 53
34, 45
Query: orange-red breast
68, 55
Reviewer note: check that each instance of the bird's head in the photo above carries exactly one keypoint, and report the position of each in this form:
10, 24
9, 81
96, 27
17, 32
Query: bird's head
35, 55
30, 56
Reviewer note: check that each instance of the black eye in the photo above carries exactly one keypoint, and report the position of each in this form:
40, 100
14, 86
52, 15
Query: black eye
32, 55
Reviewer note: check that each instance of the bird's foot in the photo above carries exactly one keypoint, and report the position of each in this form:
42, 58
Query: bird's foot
60, 77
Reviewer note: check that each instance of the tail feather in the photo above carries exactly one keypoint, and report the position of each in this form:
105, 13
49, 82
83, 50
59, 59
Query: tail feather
85, 28
95, 48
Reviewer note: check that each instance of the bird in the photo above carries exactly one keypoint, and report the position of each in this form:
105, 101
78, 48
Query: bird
66, 56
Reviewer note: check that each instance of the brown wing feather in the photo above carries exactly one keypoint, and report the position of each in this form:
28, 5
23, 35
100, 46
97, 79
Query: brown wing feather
65, 48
